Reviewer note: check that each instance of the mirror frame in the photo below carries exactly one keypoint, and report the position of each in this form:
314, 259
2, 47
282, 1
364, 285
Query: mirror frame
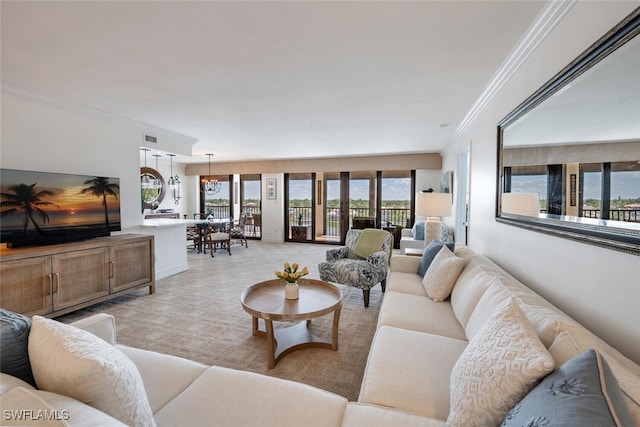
163, 188
616, 238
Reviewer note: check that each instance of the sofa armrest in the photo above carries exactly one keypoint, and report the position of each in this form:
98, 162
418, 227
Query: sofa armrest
102, 325
405, 232
338, 253
405, 263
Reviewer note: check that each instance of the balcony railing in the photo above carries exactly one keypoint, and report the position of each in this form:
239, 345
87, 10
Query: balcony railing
614, 214
396, 216
223, 211
218, 211
302, 215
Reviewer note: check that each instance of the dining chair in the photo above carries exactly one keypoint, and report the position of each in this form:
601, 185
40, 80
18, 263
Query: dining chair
257, 223
218, 239
237, 231
193, 236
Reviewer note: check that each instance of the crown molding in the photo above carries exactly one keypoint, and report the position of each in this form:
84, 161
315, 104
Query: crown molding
547, 20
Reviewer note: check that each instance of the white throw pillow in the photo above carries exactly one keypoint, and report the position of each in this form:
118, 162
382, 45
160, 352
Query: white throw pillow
500, 365
75, 363
442, 274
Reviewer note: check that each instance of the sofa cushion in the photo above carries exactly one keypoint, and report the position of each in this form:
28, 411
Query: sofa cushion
419, 313
8, 382
545, 322
409, 371
26, 406
500, 365
75, 363
417, 231
491, 301
570, 344
583, 391
430, 253
227, 397
164, 376
406, 283
359, 414
469, 288
60, 410
14, 342
442, 274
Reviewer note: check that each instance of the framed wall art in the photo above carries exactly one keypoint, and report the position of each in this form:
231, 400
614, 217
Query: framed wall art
271, 189
446, 183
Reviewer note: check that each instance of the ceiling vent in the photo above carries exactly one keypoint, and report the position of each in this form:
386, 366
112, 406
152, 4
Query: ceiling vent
149, 138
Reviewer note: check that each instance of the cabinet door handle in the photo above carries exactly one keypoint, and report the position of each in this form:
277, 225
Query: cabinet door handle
111, 269
49, 291
56, 289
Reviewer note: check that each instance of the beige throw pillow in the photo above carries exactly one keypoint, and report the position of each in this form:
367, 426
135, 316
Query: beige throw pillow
501, 364
442, 274
75, 363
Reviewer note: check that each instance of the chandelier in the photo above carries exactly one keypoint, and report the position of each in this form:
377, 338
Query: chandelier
210, 185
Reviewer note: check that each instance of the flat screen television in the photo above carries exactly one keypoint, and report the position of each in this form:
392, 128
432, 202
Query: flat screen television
44, 208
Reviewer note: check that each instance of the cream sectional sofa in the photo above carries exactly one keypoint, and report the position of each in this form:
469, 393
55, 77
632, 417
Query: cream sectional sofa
407, 380
183, 392
418, 341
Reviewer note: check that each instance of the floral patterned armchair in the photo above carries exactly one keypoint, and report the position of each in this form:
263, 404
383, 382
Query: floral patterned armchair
347, 265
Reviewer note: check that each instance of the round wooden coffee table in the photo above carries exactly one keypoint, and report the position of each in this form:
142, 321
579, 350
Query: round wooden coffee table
265, 300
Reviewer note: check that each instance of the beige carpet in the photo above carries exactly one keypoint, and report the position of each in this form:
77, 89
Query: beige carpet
197, 315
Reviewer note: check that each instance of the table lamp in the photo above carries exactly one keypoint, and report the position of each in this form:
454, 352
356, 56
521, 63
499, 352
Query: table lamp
433, 206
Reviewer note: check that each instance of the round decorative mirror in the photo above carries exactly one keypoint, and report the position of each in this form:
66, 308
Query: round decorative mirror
152, 188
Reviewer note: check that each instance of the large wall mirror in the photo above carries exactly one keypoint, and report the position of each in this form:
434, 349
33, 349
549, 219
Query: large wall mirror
569, 155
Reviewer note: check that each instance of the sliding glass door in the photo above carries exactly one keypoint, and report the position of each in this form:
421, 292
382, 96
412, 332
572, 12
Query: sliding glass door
250, 204
299, 203
217, 204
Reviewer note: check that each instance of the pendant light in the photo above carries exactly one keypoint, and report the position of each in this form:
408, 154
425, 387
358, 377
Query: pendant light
155, 182
210, 185
144, 179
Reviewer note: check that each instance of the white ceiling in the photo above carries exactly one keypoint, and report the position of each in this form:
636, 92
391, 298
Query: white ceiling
267, 80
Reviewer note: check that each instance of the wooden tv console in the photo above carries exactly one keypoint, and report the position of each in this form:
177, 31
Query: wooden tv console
54, 280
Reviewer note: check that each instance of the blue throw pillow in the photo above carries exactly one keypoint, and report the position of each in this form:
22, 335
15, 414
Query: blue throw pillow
417, 232
430, 253
14, 342
582, 392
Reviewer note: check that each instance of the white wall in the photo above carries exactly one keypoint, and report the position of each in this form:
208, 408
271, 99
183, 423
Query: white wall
598, 287
52, 137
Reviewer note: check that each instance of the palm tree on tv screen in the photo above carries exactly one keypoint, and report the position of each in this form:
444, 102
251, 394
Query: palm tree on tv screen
24, 197
101, 187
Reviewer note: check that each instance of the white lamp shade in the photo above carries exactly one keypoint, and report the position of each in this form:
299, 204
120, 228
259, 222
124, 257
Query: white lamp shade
527, 204
433, 204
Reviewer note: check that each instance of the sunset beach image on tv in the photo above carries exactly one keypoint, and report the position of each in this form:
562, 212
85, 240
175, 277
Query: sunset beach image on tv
45, 208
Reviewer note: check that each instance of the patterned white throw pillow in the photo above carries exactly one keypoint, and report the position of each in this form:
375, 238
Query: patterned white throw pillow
501, 364
75, 363
442, 274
